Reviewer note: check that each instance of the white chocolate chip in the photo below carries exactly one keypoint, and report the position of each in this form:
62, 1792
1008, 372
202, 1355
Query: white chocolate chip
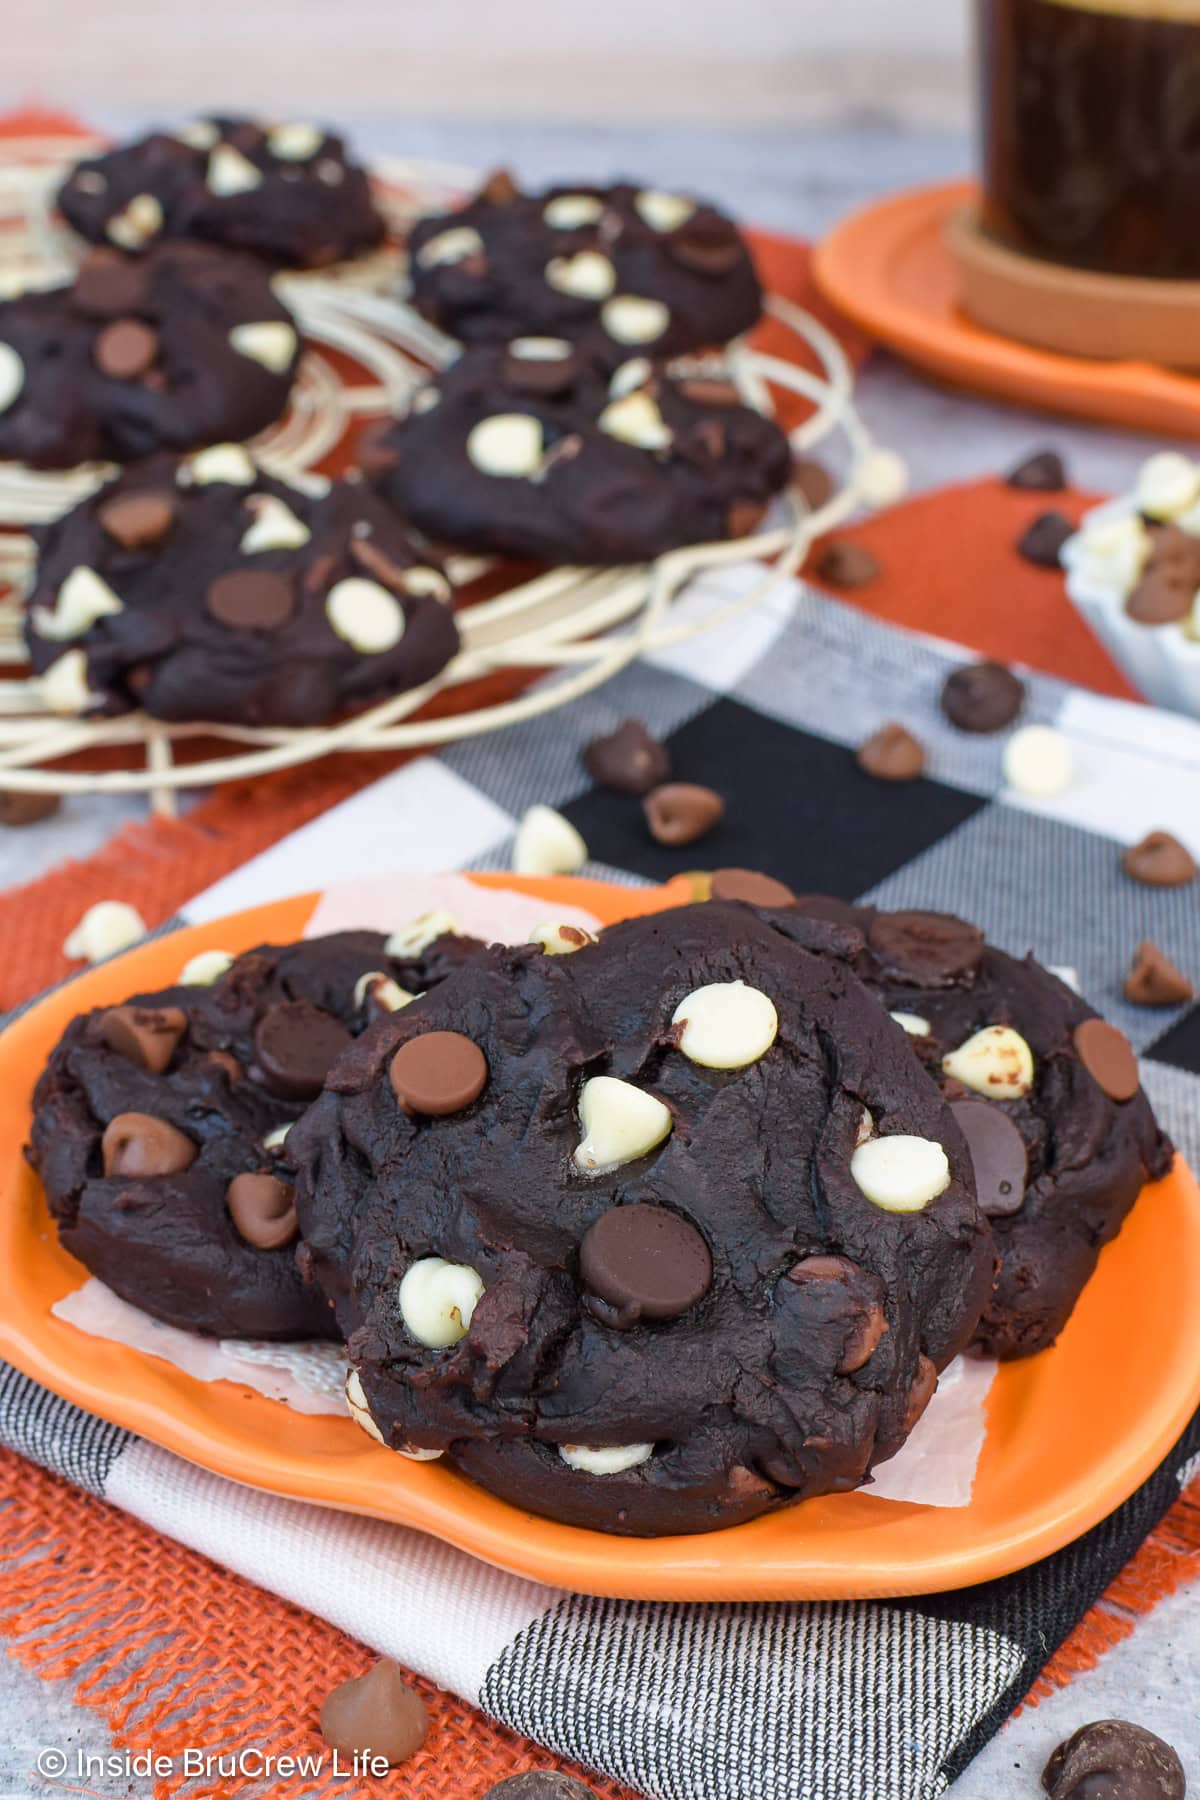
106, 928
421, 581
995, 1062
294, 142
547, 844
360, 1412
630, 319
438, 1300
636, 420
270, 342
414, 1453
609, 1459
1113, 552
587, 275
364, 615
198, 134
221, 462
881, 478
275, 526
560, 940
382, 990
420, 932
540, 349
453, 246
12, 376
276, 1139
64, 686
204, 968
81, 600
1166, 485
137, 223
567, 212
1037, 761
425, 399
620, 1123
662, 211
630, 375
913, 1023
900, 1174
726, 1025
508, 445
90, 181
229, 172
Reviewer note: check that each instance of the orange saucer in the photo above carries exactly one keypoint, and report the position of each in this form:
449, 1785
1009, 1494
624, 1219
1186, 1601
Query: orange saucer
890, 269
1070, 1434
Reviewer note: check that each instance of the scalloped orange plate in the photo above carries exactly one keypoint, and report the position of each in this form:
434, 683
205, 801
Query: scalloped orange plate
888, 267
1070, 1434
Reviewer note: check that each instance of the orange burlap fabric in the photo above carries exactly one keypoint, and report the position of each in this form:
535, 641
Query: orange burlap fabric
173, 1650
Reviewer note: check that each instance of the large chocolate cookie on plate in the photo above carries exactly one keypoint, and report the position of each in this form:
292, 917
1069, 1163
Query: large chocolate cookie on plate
160, 1126
185, 346
288, 192
531, 451
1047, 1096
619, 271
650, 1238
208, 590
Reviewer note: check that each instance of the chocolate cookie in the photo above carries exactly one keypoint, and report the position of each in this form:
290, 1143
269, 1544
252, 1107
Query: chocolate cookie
288, 192
530, 451
185, 346
1046, 1094
618, 271
649, 1238
159, 1127
209, 590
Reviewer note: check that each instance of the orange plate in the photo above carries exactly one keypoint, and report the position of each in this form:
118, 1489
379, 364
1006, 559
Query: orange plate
890, 270
1070, 1434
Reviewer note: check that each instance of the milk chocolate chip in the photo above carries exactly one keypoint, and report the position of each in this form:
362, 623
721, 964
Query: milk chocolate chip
136, 1144
250, 599
645, 1262
848, 1299
846, 565
680, 812
126, 349
136, 521
438, 1073
750, 886
813, 481
630, 759
1154, 980
27, 809
1160, 861
297, 1044
145, 1035
892, 754
1108, 1058
262, 1208
1111, 1759
377, 1712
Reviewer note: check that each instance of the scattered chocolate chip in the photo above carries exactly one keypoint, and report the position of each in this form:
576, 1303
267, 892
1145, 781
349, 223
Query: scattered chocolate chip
998, 1153
438, 1073
126, 349
263, 1210
296, 1044
985, 696
1154, 980
852, 1298
812, 481
925, 949
921, 1392
846, 565
27, 809
137, 520
707, 243
744, 516
1041, 473
704, 390
108, 283
1114, 1760
499, 189
630, 759
679, 812
539, 1784
250, 599
139, 1145
145, 1035
377, 1712
1160, 860
750, 886
1041, 542
1108, 1058
1160, 598
892, 754
645, 1262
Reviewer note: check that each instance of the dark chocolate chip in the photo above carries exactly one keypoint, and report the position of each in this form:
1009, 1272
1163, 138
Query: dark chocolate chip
707, 243
892, 754
27, 809
750, 886
921, 1392
925, 949
250, 599
139, 1145
137, 520
296, 1044
984, 696
377, 1712
679, 812
145, 1035
998, 1153
1160, 860
630, 759
108, 283
645, 1262
126, 349
850, 1300
1112, 1759
1108, 1058
1041, 541
438, 1073
813, 481
262, 1209
1041, 473
539, 1784
1154, 980
846, 565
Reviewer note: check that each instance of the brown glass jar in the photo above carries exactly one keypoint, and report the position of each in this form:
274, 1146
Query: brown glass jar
1091, 131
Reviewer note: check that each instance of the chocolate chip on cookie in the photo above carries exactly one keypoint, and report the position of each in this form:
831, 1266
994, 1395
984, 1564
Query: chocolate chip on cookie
147, 1035
139, 1145
296, 1044
438, 1073
645, 1262
262, 1208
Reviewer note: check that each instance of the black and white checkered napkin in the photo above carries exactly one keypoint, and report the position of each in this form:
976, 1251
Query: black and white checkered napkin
837, 1701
